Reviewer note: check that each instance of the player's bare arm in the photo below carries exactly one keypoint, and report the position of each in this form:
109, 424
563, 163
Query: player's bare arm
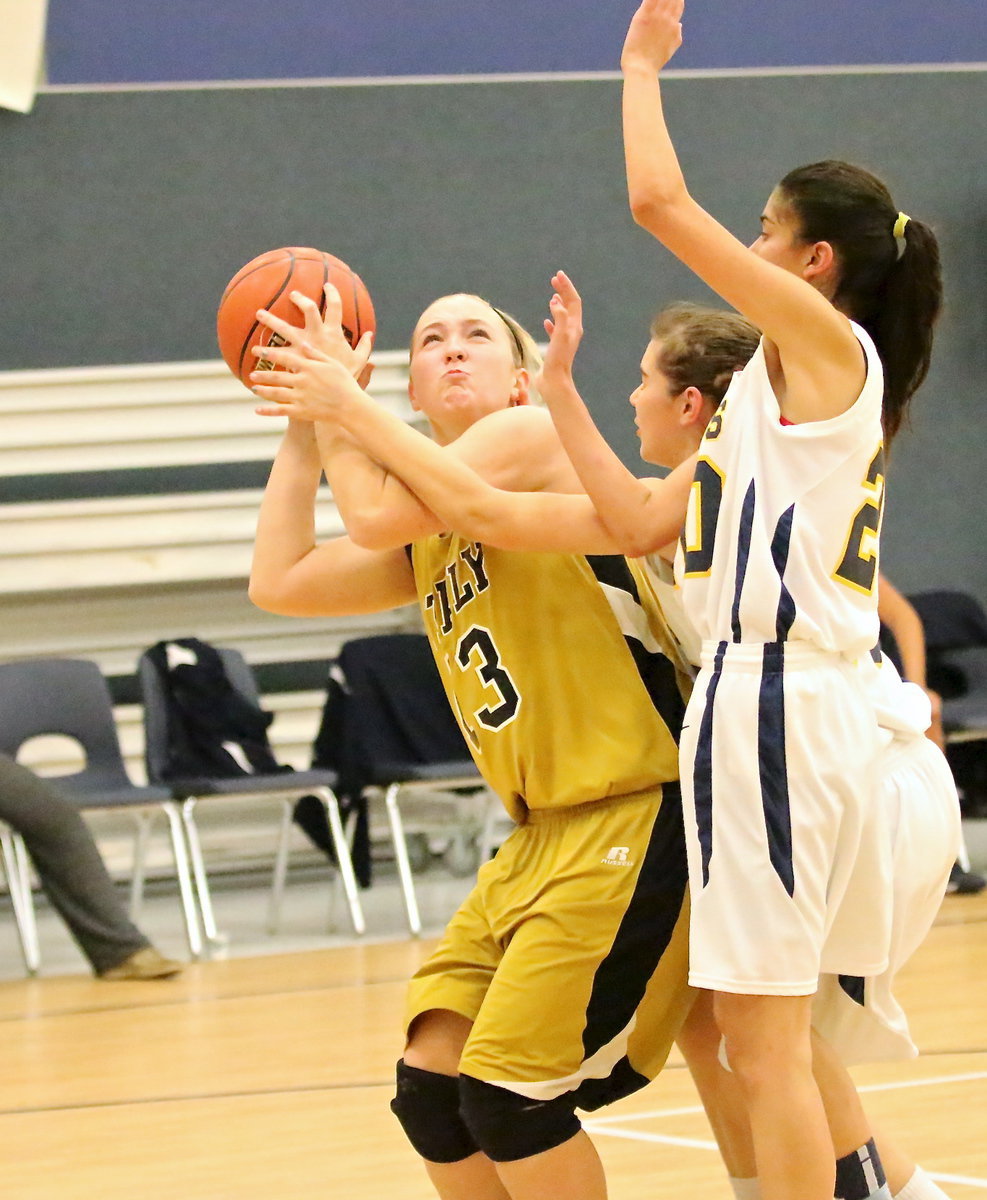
513, 520
517, 449
821, 363
628, 506
293, 575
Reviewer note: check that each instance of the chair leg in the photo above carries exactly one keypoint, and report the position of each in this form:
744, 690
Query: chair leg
280, 873
24, 869
16, 869
401, 855
186, 888
344, 861
213, 937
137, 876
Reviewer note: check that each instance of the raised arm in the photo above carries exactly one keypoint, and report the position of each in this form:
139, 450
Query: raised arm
291, 574
378, 509
514, 520
379, 512
633, 510
822, 360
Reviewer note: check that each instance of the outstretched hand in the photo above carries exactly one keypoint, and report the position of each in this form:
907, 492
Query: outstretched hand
564, 327
654, 34
312, 384
323, 332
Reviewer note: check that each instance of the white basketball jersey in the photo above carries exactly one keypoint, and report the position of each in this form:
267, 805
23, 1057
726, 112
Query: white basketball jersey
781, 537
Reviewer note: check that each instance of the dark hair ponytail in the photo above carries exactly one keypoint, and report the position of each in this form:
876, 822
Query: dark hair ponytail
891, 285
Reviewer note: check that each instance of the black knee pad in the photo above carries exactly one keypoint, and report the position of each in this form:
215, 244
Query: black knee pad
427, 1106
507, 1126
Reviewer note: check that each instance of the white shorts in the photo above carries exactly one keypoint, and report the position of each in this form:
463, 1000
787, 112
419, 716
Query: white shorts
860, 1018
789, 854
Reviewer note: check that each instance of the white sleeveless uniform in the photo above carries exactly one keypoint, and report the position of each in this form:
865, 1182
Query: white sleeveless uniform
790, 857
860, 1017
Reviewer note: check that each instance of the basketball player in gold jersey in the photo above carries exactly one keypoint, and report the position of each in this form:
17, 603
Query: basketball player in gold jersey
561, 981
685, 371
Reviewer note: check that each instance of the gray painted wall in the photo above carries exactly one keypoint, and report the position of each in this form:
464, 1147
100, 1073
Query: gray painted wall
123, 214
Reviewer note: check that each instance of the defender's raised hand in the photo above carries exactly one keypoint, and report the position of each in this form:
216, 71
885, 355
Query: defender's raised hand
654, 34
564, 327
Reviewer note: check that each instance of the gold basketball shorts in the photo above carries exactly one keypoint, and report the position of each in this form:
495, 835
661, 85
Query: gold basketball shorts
570, 955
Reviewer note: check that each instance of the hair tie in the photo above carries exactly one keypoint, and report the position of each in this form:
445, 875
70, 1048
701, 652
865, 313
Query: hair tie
515, 336
899, 232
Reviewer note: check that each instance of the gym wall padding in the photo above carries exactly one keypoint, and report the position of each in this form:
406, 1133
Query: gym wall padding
124, 213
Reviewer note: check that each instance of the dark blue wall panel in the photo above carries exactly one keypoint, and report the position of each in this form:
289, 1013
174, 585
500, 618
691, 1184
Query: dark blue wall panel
113, 41
123, 215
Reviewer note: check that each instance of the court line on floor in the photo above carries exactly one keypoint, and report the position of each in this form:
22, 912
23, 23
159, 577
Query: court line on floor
610, 1126
692, 1109
186, 999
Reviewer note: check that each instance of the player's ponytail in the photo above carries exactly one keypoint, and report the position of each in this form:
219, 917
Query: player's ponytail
890, 279
903, 321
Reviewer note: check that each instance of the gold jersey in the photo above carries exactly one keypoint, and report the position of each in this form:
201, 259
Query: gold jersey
557, 668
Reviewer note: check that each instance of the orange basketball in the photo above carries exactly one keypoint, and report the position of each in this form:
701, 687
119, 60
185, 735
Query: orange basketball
266, 282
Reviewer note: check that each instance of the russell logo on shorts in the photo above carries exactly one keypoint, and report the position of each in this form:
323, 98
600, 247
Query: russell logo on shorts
618, 856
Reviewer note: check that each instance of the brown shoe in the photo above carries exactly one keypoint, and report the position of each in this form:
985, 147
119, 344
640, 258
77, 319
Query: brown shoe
144, 964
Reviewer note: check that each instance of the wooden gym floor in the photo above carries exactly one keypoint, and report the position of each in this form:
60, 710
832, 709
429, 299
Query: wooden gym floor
269, 1076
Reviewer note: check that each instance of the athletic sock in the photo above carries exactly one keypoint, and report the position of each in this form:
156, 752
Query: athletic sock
746, 1189
860, 1176
921, 1187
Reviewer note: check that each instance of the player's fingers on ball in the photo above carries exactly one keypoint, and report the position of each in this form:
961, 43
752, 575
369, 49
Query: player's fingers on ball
285, 328
275, 380
364, 346
275, 354
302, 302
334, 304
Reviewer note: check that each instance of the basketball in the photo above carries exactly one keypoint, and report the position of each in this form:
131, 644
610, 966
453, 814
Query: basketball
267, 281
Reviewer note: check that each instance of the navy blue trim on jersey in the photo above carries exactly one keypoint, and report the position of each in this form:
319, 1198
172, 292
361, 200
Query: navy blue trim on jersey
743, 554
853, 985
702, 769
772, 765
656, 670
780, 546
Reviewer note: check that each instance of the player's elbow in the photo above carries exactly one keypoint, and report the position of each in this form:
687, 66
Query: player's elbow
276, 593
644, 210
369, 527
653, 207
634, 545
268, 596
370, 534
480, 521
